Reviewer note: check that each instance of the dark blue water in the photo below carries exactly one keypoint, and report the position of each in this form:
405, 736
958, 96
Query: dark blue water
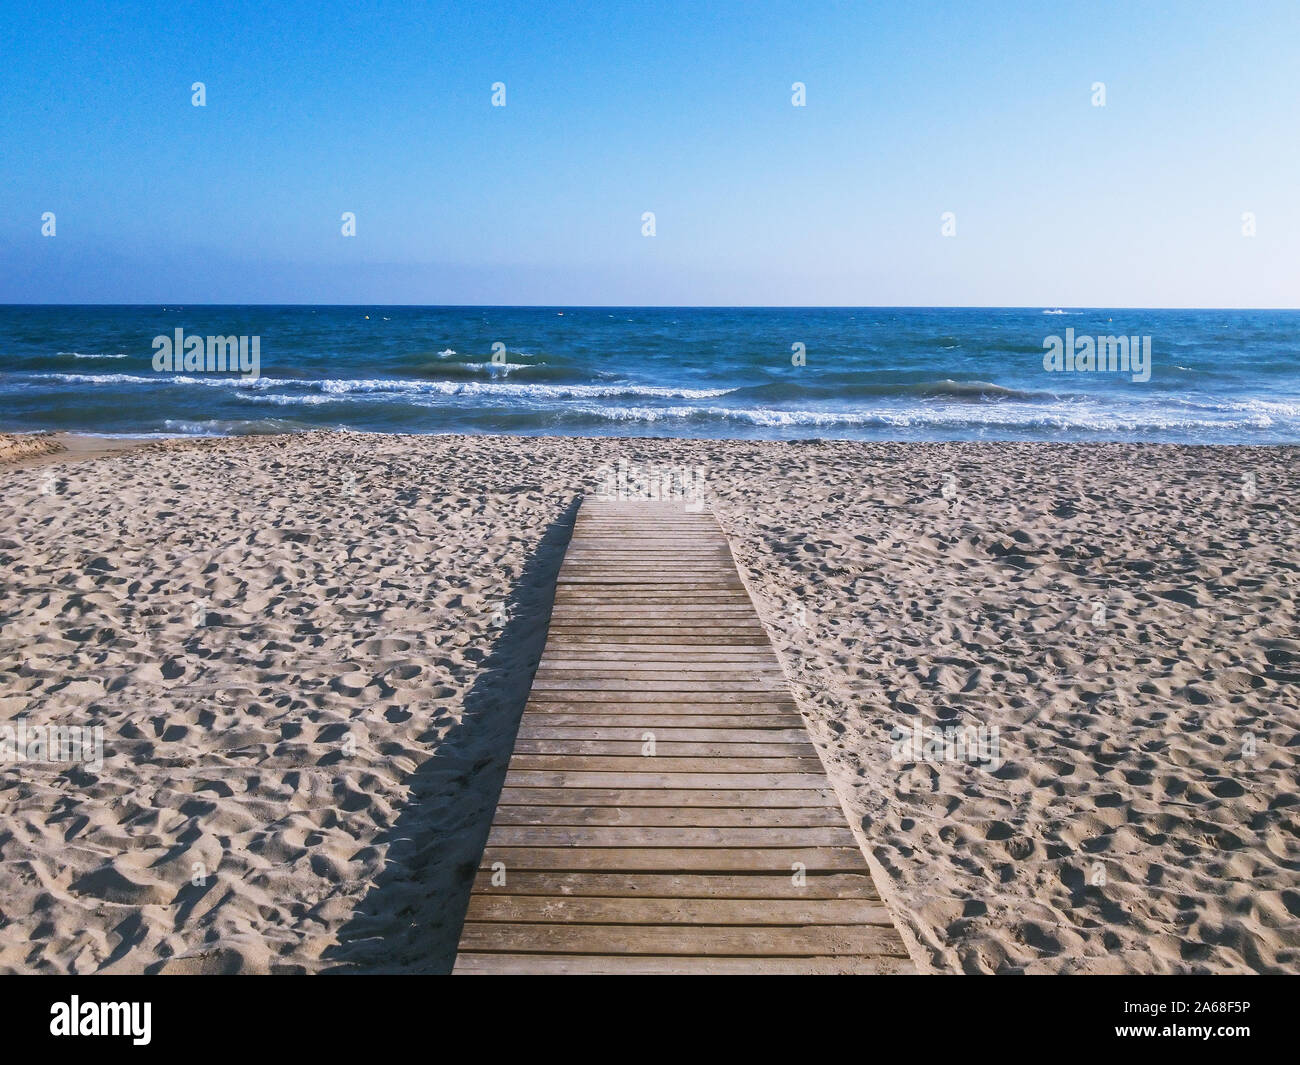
873, 373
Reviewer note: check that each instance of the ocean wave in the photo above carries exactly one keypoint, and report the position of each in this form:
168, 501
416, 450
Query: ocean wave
471, 370
1056, 418
94, 355
279, 399
214, 427
1271, 408
383, 387
393, 386
95, 378
530, 390
837, 389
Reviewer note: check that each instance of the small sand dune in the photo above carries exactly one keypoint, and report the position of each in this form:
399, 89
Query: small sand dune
14, 446
308, 656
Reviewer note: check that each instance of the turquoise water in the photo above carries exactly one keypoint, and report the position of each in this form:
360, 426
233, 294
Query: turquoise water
870, 373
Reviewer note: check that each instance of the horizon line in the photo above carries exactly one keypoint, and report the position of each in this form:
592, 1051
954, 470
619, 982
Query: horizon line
676, 306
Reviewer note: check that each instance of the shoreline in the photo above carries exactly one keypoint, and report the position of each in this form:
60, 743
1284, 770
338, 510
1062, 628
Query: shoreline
69, 438
294, 646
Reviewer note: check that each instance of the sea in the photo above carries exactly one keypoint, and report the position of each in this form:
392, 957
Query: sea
872, 373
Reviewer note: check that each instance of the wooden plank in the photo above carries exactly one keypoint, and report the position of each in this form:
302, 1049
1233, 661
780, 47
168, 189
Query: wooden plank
662, 765
815, 885
630, 795
756, 697
680, 911
659, 613
660, 649
787, 860
641, 593
656, 682
472, 964
650, 718
611, 705
608, 600
614, 579
598, 678
649, 572
704, 668
650, 627
612, 763
588, 717
669, 836
612, 662
535, 730
562, 665
678, 557
668, 940
684, 748
614, 597
683, 553
667, 816
673, 567
723, 851
557, 683
755, 781
648, 641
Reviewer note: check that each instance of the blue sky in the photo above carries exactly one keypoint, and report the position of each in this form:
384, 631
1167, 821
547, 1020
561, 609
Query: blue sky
683, 109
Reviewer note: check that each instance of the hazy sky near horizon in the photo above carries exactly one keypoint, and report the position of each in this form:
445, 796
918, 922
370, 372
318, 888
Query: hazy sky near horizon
682, 109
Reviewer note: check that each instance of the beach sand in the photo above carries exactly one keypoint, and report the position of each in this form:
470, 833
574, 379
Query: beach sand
15, 447
308, 655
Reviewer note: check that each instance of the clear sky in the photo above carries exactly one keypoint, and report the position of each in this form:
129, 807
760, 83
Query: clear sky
684, 109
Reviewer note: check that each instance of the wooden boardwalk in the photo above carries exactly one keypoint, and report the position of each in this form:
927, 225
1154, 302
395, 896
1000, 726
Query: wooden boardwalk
664, 810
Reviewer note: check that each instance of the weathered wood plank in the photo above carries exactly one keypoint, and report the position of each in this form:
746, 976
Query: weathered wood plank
758, 726
470, 964
613, 763
667, 940
632, 593
667, 816
683, 748
757, 781
659, 655
681, 911
748, 700
668, 836
654, 640
533, 730
653, 617
657, 682
599, 678
788, 860
651, 627
608, 704
631, 795
579, 884
652, 718
563, 666
651, 692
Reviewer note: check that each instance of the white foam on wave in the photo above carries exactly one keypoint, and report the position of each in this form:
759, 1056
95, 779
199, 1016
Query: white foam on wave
396, 387
1081, 417
281, 400
216, 427
93, 378
1189, 414
494, 389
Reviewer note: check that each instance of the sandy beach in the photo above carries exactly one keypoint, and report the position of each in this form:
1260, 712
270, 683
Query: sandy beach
308, 655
